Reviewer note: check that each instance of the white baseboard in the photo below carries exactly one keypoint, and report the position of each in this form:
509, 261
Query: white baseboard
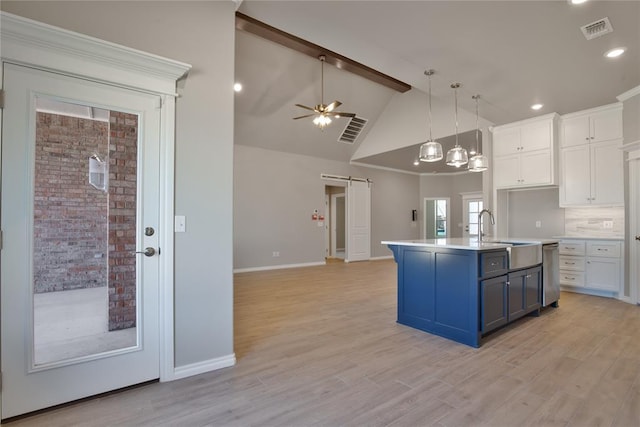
278, 267
376, 258
204, 366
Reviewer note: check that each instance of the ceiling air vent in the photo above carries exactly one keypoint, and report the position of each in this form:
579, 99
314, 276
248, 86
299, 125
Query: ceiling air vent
597, 28
352, 130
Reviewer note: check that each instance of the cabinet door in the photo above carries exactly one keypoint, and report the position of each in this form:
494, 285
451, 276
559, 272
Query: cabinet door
493, 303
506, 141
606, 125
575, 183
574, 131
535, 168
533, 289
506, 171
603, 273
516, 294
607, 179
536, 136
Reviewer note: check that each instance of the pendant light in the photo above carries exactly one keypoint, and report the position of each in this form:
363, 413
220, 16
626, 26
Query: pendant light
457, 156
430, 151
479, 162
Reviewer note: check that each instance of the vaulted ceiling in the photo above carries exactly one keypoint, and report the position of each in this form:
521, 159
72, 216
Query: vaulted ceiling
512, 53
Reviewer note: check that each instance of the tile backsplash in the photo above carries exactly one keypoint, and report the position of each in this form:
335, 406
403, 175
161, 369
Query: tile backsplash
592, 222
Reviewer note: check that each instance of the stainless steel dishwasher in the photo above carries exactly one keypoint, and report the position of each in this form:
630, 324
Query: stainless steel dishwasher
550, 275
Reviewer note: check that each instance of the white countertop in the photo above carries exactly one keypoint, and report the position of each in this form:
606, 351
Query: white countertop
468, 243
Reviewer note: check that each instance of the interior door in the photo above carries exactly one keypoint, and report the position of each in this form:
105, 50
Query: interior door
471, 206
80, 190
359, 221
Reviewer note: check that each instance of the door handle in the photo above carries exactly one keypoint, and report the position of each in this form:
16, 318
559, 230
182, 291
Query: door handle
147, 252
637, 237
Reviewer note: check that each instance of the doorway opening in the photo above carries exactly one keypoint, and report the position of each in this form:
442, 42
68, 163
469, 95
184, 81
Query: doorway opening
436, 217
335, 222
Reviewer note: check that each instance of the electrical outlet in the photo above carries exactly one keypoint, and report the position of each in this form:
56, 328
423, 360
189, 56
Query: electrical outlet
275, 254
538, 224
607, 224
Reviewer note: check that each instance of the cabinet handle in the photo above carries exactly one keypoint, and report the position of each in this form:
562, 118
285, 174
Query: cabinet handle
603, 250
570, 249
528, 276
587, 138
570, 263
569, 278
588, 262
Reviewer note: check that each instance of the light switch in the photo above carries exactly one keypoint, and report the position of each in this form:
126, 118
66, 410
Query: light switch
180, 225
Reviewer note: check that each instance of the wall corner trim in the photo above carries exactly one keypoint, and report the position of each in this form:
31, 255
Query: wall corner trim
204, 366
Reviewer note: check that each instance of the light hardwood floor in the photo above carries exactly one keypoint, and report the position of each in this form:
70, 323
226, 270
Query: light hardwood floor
319, 346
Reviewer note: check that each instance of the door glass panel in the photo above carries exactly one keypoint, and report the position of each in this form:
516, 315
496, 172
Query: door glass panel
84, 232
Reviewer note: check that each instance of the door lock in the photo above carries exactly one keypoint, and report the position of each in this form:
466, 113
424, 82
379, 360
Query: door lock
149, 231
147, 252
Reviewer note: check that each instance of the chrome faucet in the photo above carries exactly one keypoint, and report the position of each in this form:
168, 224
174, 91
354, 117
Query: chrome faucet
493, 222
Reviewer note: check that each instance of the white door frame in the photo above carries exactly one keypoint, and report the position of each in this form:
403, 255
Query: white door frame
30, 43
634, 223
334, 216
424, 215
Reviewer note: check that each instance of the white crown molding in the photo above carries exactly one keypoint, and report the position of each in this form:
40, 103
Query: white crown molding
32, 43
628, 94
614, 106
384, 168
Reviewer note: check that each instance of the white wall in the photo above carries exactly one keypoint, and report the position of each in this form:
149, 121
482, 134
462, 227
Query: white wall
275, 194
202, 34
527, 207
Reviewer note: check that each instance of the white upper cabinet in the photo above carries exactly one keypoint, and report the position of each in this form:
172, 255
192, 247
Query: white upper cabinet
595, 125
524, 153
591, 162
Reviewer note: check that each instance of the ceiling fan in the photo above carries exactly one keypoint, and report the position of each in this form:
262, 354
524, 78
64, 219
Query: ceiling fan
323, 112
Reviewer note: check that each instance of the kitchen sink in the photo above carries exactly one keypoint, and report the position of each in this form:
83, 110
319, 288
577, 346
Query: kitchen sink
522, 254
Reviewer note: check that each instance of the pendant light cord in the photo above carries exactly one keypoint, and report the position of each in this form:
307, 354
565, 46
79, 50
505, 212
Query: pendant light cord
429, 73
455, 87
477, 97
322, 59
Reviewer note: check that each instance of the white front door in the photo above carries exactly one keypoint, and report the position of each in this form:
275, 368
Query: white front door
471, 205
80, 195
359, 221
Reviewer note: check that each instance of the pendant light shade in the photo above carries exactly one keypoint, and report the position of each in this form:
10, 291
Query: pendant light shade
430, 151
479, 162
457, 156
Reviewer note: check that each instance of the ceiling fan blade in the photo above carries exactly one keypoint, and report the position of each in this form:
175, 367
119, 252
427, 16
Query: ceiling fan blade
329, 108
341, 114
305, 107
302, 117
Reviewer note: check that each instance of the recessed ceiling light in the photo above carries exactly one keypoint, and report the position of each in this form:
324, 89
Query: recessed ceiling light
536, 106
416, 162
237, 87
614, 53
577, 1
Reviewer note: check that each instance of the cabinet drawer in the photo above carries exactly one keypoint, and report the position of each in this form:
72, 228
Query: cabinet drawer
573, 263
571, 248
571, 278
493, 264
604, 249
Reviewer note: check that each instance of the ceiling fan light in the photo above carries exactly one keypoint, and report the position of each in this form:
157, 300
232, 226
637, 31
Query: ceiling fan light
457, 157
430, 151
322, 121
479, 163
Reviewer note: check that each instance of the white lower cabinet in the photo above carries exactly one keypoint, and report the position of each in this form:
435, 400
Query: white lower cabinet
595, 265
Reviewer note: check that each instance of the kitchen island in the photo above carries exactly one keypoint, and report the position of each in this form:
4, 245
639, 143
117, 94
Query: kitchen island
463, 289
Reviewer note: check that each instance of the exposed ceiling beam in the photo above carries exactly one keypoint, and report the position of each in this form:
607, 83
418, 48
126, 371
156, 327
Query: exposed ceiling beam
251, 25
